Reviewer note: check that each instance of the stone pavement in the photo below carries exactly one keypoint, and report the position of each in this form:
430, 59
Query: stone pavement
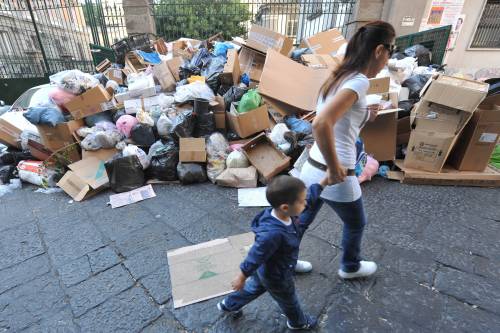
83, 267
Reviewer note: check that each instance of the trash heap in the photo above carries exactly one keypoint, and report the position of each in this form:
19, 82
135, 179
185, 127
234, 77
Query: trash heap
235, 113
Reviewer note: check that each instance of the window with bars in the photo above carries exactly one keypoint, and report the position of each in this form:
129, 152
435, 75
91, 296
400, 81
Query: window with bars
5, 44
488, 29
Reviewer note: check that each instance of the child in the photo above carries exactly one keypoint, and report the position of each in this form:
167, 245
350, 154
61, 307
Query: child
270, 263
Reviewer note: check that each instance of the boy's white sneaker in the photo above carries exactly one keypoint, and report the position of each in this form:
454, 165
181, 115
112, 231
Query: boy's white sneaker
366, 268
303, 266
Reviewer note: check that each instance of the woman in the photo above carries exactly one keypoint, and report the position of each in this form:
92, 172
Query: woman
341, 113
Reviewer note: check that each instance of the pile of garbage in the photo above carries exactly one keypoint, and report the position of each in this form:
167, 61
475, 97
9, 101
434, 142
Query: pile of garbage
191, 111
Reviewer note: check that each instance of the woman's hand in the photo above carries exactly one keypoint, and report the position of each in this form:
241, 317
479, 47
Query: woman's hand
373, 109
336, 175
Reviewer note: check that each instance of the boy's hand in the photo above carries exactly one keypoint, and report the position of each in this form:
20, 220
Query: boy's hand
239, 281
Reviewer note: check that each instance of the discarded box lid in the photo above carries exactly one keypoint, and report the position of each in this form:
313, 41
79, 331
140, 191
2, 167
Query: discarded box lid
192, 150
89, 103
265, 157
85, 178
263, 40
291, 83
326, 42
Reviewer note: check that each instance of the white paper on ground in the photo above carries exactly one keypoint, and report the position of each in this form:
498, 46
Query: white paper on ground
127, 198
252, 197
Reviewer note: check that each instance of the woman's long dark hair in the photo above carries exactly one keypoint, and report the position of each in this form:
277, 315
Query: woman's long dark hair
359, 51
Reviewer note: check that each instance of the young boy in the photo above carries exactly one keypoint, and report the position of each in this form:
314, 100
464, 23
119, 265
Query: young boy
269, 265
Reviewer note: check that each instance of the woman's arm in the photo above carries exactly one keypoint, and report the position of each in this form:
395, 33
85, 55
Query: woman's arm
323, 131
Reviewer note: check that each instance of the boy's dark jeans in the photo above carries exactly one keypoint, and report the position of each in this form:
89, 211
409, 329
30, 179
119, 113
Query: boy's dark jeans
353, 216
282, 291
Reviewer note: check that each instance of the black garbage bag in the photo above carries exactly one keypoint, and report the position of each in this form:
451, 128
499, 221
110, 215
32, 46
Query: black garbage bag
90, 121
205, 124
6, 173
234, 94
191, 173
125, 173
102, 78
214, 65
143, 135
213, 81
118, 114
187, 70
406, 107
420, 52
14, 157
201, 58
164, 159
184, 124
415, 83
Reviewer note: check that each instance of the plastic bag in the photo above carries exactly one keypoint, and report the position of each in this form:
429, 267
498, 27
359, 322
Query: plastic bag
164, 126
164, 158
415, 84
125, 124
105, 125
145, 118
236, 159
101, 78
406, 107
92, 120
14, 157
369, 170
60, 96
495, 157
205, 124
41, 115
113, 85
214, 65
13, 185
29, 135
138, 81
191, 173
134, 150
297, 53
183, 124
200, 58
74, 81
217, 152
420, 52
251, 100
36, 173
234, 94
400, 70
192, 91
6, 173
99, 139
220, 48
143, 135
277, 135
298, 125
125, 173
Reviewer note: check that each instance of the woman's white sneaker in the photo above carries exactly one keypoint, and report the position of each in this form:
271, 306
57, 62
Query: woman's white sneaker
366, 268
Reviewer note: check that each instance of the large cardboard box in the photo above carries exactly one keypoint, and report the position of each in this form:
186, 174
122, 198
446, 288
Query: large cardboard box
477, 141
192, 150
290, 82
92, 101
231, 72
85, 178
265, 157
115, 74
60, 136
238, 177
164, 76
203, 271
263, 40
12, 124
248, 123
326, 42
404, 131
252, 63
174, 64
321, 61
218, 107
447, 104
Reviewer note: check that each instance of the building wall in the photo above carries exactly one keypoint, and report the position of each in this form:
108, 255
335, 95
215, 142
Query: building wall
394, 11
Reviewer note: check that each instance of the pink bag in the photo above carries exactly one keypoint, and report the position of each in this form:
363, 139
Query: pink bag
60, 97
370, 169
125, 124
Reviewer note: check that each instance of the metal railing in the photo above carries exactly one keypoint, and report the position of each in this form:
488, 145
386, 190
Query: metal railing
202, 18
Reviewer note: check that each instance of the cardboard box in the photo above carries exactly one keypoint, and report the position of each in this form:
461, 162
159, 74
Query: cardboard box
38, 151
379, 136
101, 154
174, 64
89, 103
138, 93
231, 73
447, 104
85, 178
248, 123
160, 46
473, 149
116, 75
103, 66
238, 177
326, 42
448, 176
12, 124
162, 73
263, 40
60, 136
192, 150
265, 157
321, 61
404, 130
252, 63
134, 63
290, 82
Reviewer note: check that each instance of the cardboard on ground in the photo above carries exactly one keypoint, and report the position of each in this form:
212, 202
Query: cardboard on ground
203, 271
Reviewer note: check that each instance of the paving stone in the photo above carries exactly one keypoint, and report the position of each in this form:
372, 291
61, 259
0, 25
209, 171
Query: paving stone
177, 214
75, 271
209, 227
127, 312
117, 223
158, 285
147, 261
198, 316
18, 244
61, 322
97, 289
489, 268
469, 288
31, 302
102, 259
23, 272
417, 265
166, 323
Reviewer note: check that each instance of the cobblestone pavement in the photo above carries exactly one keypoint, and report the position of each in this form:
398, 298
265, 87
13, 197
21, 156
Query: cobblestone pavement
83, 267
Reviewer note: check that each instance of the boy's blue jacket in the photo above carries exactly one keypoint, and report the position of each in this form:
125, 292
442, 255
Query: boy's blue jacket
276, 247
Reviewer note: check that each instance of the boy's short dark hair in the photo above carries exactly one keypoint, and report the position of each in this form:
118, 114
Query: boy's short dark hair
284, 190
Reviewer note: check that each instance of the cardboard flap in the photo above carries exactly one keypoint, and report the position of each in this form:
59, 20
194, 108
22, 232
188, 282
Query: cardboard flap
265, 157
290, 82
232, 66
262, 39
326, 42
321, 61
74, 186
379, 85
92, 171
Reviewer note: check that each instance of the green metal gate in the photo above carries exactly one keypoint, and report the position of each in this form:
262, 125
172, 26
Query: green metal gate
42, 37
